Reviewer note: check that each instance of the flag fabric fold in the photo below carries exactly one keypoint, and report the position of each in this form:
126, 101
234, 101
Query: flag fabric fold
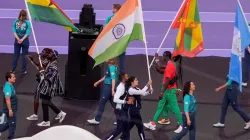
189, 40
127, 25
241, 39
48, 11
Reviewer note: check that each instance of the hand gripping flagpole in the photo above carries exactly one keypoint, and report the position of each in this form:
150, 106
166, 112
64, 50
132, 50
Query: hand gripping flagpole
163, 40
33, 32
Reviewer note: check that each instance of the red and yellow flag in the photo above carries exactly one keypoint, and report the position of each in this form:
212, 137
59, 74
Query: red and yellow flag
189, 40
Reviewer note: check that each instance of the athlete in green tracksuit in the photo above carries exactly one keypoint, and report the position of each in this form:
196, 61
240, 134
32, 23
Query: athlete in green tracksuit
169, 99
160, 67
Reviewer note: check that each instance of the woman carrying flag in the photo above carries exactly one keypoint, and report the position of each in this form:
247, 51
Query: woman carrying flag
50, 86
45, 62
231, 97
134, 109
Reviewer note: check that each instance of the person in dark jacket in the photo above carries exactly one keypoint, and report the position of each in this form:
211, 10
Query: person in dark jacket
134, 109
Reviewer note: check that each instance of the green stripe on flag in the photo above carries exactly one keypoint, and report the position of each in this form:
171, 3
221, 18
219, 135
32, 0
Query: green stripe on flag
120, 45
188, 38
50, 15
176, 46
196, 15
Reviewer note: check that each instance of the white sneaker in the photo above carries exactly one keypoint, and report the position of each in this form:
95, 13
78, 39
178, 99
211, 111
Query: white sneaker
93, 121
58, 116
2, 119
115, 123
179, 129
33, 117
244, 84
44, 123
218, 125
62, 116
247, 126
150, 125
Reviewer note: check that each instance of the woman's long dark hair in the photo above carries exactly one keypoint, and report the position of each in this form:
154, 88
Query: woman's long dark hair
128, 83
186, 88
178, 59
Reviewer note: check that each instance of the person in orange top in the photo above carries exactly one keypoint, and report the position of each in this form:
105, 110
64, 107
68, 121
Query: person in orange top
169, 100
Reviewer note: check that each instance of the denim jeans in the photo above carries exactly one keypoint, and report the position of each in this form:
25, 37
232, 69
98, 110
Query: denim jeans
105, 97
17, 49
246, 65
122, 62
9, 124
231, 97
186, 128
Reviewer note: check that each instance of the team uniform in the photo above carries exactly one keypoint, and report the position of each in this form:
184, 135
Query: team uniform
169, 101
9, 91
121, 113
106, 96
231, 97
190, 107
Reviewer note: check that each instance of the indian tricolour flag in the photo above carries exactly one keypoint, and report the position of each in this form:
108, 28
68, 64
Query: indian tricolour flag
127, 25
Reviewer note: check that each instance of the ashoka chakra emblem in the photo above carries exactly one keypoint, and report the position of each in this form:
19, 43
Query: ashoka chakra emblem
118, 30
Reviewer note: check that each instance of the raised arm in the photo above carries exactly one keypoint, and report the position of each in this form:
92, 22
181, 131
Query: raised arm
143, 92
159, 63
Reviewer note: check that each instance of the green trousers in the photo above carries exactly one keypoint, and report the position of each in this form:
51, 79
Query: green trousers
168, 103
164, 111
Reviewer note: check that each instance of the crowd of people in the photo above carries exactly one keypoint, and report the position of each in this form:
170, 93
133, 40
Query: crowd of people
120, 89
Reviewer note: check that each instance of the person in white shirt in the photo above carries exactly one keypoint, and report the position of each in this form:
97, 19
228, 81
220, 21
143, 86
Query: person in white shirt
121, 113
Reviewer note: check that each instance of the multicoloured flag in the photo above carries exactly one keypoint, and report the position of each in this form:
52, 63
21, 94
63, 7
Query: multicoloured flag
49, 11
127, 25
189, 40
241, 39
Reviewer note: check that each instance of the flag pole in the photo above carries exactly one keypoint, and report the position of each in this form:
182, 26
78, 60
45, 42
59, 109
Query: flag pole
240, 51
33, 32
163, 40
145, 42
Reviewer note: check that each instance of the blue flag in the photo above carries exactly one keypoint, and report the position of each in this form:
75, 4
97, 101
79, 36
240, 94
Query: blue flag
241, 39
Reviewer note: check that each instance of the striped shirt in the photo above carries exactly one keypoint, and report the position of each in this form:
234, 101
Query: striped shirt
51, 84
